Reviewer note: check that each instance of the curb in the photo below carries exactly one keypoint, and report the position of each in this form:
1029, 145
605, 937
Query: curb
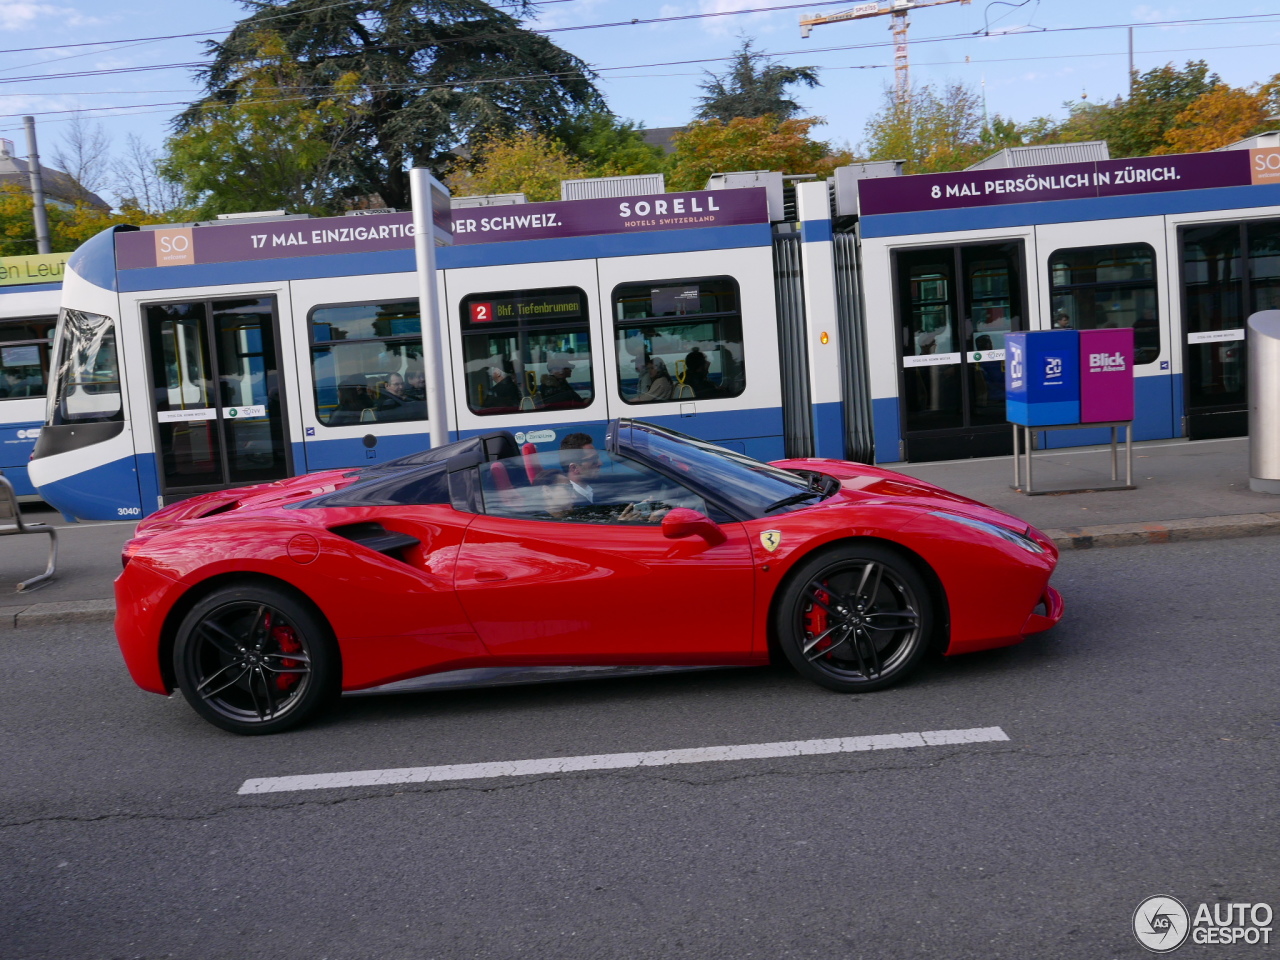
64, 611
1171, 531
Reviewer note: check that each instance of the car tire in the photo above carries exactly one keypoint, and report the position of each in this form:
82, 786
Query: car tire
255, 659
855, 618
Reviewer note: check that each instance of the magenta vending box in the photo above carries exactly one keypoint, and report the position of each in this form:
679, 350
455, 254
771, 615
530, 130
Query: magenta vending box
1106, 375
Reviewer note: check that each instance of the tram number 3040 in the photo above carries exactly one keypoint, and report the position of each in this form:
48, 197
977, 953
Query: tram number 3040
128, 511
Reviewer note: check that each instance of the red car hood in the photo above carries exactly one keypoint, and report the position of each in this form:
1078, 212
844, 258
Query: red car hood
860, 481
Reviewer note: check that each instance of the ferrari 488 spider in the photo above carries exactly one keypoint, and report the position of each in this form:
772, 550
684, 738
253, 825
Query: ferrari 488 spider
483, 563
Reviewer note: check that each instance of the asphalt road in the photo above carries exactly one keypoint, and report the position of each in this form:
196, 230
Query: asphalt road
1144, 735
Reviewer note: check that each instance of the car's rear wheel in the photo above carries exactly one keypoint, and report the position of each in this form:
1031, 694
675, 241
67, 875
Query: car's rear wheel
855, 618
254, 659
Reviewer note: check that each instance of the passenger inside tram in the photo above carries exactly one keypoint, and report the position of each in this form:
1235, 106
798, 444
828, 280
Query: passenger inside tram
656, 380
503, 391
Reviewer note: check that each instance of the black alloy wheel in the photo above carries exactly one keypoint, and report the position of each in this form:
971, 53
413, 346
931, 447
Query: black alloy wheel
253, 659
855, 618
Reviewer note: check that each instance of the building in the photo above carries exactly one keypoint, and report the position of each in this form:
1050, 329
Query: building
60, 189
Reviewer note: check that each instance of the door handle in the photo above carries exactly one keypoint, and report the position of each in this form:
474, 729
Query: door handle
489, 576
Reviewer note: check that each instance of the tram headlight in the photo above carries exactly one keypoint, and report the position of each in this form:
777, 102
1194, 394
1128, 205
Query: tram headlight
1004, 533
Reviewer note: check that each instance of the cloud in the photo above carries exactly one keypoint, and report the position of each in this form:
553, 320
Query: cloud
568, 15
24, 14
755, 23
1148, 14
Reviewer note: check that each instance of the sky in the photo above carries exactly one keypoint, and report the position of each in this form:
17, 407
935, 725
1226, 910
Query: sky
1029, 58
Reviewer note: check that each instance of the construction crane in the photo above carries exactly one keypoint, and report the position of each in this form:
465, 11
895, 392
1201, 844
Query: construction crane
898, 9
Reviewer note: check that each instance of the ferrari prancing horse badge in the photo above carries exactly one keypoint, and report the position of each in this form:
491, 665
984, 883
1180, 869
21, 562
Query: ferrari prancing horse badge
770, 539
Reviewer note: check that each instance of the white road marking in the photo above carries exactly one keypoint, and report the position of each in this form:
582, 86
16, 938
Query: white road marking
620, 761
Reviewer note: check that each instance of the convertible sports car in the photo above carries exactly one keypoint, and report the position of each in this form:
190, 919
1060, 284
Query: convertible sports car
482, 563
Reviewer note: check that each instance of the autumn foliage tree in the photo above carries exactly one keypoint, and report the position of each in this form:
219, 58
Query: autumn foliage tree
749, 143
529, 163
1138, 125
67, 228
1221, 116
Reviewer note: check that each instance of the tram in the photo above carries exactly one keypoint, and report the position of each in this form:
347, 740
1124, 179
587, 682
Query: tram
861, 320
30, 291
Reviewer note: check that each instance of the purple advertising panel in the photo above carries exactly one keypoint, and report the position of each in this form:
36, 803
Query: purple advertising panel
586, 218
272, 239
1068, 181
1106, 375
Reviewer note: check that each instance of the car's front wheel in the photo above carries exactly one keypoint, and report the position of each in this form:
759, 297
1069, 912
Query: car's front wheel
253, 659
855, 618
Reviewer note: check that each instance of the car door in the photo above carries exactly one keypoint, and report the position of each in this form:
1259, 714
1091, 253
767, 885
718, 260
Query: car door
546, 577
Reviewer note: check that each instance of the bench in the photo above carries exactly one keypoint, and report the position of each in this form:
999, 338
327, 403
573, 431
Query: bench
11, 522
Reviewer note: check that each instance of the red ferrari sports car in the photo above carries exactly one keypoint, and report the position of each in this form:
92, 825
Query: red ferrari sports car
482, 563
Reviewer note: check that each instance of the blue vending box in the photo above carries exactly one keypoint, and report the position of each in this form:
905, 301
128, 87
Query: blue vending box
1042, 377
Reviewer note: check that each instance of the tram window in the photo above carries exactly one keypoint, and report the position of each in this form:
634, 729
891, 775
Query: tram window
87, 380
24, 357
679, 340
366, 361
1113, 286
526, 350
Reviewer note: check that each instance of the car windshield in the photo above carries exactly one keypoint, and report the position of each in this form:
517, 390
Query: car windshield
748, 484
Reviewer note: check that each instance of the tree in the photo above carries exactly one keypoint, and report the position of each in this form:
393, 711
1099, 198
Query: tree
935, 130
84, 155
609, 146
269, 146
527, 162
1214, 119
749, 143
139, 183
427, 76
753, 86
67, 228
1138, 125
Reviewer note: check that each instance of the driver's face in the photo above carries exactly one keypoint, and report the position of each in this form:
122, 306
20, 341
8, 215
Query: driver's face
589, 465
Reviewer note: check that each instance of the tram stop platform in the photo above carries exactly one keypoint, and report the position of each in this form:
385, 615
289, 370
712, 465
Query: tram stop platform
1184, 491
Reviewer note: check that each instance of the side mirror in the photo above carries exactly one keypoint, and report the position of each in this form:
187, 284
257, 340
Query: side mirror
682, 522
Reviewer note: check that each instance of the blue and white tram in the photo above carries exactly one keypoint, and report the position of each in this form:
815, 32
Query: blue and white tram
180, 377
30, 290
197, 357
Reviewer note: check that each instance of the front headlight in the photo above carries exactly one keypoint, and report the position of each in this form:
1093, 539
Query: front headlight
1004, 533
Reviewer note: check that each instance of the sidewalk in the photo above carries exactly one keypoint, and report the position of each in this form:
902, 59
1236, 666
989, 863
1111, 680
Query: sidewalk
81, 590
1185, 491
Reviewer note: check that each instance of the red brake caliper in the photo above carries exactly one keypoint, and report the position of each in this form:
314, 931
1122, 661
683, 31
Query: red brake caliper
288, 643
815, 619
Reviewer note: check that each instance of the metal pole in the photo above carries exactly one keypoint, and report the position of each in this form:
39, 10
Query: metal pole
1131, 61
37, 188
421, 187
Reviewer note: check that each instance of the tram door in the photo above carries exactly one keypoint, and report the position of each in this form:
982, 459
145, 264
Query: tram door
216, 394
1229, 271
954, 307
